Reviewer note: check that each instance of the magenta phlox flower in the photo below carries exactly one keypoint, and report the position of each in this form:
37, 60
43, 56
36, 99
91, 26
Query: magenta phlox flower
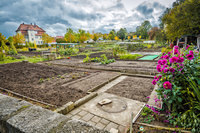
164, 62
190, 56
173, 59
166, 56
191, 52
176, 51
187, 47
176, 47
166, 70
154, 82
165, 66
159, 68
167, 85
172, 70
160, 76
180, 60
160, 62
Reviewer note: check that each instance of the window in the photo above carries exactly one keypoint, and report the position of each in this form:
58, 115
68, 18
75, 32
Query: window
32, 39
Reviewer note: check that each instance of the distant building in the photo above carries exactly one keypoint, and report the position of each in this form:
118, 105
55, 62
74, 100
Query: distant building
32, 33
57, 37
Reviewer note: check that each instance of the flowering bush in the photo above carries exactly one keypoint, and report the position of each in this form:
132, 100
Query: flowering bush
178, 86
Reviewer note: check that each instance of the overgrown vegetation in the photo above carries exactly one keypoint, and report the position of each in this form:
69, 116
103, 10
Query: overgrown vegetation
103, 59
129, 56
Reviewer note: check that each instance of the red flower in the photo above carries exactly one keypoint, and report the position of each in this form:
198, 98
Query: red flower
68, 57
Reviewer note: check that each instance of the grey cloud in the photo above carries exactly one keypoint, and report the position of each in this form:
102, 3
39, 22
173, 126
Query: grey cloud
54, 16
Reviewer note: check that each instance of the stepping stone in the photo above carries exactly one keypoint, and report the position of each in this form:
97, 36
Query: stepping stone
104, 102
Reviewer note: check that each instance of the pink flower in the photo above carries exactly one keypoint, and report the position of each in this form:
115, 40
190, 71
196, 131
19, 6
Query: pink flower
164, 62
191, 52
176, 51
154, 82
169, 53
190, 56
175, 47
160, 76
187, 47
172, 70
166, 70
180, 60
166, 56
173, 59
158, 68
165, 66
155, 77
167, 85
160, 62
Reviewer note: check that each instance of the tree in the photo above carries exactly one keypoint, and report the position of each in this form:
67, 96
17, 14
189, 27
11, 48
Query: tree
82, 36
18, 39
95, 36
183, 19
10, 39
105, 37
70, 36
122, 33
4, 46
2, 38
153, 32
46, 38
61, 40
143, 29
112, 35
13, 49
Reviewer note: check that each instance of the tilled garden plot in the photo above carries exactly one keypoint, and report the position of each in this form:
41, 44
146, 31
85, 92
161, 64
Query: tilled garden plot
133, 88
42, 82
139, 67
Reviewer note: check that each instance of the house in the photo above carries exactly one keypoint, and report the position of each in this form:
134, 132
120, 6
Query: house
32, 33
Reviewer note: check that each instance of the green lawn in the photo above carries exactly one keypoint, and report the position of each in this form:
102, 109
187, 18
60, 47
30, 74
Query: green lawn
29, 59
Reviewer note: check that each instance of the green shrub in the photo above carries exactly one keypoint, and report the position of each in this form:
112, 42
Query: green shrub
4, 46
178, 84
133, 47
87, 59
12, 50
68, 51
118, 50
166, 50
129, 56
103, 59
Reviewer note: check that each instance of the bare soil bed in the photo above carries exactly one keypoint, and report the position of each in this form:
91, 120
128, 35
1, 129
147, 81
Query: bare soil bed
133, 88
30, 54
92, 81
128, 66
42, 82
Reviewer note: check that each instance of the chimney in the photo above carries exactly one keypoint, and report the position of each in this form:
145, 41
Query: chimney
23, 23
31, 23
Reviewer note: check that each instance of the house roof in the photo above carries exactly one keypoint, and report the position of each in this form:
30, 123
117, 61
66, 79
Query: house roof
26, 27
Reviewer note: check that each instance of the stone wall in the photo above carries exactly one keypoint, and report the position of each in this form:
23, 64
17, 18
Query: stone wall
18, 116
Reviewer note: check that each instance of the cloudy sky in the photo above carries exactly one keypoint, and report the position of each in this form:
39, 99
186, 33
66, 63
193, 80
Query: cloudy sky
54, 16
